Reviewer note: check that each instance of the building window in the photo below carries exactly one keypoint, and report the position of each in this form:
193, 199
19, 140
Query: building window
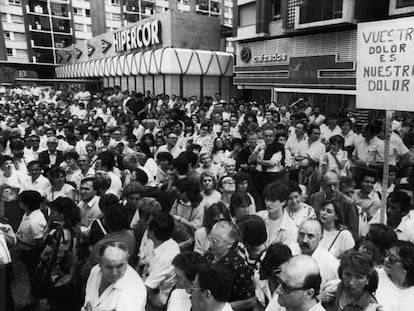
87, 12
7, 35
116, 2
404, 3
9, 52
78, 27
15, 2
320, 10
77, 11
276, 10
17, 19
116, 17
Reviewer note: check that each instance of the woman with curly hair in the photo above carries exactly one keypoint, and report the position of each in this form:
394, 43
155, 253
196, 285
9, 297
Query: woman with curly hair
187, 212
208, 192
60, 255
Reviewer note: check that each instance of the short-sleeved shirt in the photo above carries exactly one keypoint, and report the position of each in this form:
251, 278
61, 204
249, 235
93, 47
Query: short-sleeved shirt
161, 273
287, 232
32, 226
372, 151
315, 150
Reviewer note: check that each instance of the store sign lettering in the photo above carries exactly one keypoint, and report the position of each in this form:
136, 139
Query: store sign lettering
143, 35
270, 58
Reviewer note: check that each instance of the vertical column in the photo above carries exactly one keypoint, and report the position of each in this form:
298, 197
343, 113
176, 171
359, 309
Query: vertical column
201, 87
181, 85
263, 15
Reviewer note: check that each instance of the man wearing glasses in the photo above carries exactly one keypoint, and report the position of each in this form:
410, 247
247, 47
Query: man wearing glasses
299, 285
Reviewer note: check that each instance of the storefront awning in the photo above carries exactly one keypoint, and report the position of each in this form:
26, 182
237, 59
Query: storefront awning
167, 61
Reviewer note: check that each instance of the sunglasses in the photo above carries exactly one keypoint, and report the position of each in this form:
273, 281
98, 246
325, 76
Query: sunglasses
286, 288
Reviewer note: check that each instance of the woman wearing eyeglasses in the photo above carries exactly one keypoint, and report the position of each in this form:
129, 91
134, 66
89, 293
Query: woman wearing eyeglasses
359, 280
396, 279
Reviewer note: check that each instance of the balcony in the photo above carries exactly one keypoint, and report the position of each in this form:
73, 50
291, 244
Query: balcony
205, 9
398, 7
320, 13
131, 8
57, 12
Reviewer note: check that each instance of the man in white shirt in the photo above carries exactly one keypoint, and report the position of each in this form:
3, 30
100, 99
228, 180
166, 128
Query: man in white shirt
113, 284
311, 147
294, 140
36, 181
309, 236
89, 205
211, 289
299, 285
316, 118
331, 130
160, 273
171, 146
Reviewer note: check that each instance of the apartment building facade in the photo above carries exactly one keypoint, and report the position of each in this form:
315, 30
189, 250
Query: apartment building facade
290, 50
44, 31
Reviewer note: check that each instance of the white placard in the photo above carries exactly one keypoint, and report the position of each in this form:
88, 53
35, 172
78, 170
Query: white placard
385, 70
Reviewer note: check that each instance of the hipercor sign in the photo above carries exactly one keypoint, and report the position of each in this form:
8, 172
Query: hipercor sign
139, 36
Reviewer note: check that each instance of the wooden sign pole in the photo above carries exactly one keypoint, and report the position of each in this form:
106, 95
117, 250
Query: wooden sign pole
386, 166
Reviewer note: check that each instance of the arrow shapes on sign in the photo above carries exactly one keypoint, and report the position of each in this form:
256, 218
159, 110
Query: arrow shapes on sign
105, 45
91, 49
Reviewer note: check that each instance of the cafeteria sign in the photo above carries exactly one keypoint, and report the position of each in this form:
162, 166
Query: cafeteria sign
385, 70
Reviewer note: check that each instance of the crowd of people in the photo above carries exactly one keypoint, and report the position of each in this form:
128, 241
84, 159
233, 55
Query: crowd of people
128, 201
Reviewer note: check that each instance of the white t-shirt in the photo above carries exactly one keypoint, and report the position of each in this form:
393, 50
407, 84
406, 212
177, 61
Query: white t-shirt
391, 297
32, 226
179, 300
343, 242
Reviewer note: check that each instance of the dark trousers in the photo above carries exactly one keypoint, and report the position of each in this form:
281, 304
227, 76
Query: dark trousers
31, 259
6, 296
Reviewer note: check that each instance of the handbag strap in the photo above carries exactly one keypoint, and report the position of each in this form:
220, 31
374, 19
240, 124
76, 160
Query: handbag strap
101, 226
333, 242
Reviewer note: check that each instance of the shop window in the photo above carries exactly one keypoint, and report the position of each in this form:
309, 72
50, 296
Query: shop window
404, 3
320, 10
87, 13
9, 52
276, 13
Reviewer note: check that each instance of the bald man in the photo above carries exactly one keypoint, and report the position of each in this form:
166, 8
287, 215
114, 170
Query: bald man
310, 234
348, 211
299, 284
